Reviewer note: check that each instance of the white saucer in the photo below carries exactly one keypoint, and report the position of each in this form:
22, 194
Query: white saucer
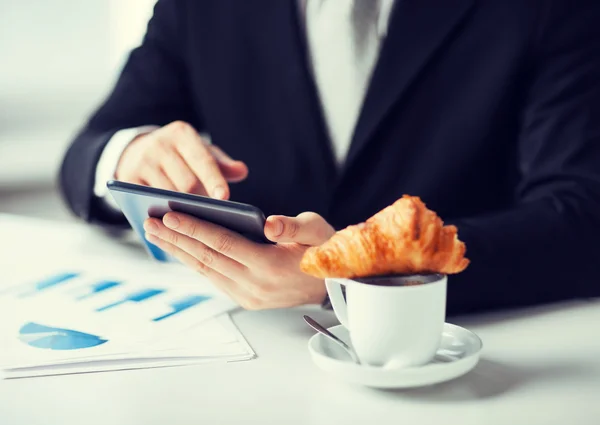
458, 354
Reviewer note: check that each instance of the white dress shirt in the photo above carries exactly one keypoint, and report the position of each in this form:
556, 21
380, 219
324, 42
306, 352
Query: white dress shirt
111, 155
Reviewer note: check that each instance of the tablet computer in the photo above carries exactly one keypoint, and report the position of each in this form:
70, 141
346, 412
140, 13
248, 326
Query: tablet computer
139, 202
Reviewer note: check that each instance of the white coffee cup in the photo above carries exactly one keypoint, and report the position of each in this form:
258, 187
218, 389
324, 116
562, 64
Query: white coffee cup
392, 321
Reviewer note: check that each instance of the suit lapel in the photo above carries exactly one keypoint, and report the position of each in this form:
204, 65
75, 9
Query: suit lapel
417, 29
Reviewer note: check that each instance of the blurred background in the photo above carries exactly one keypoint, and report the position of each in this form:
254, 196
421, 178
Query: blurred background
58, 60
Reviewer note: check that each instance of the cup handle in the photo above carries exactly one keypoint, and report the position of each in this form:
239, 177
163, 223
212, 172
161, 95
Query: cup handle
336, 297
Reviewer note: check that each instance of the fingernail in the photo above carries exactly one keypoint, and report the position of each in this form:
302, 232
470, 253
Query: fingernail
171, 221
277, 227
151, 227
219, 193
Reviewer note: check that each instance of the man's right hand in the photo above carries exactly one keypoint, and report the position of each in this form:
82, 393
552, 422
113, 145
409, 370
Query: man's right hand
175, 157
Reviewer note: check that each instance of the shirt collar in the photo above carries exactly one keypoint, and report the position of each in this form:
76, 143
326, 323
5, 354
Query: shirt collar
385, 12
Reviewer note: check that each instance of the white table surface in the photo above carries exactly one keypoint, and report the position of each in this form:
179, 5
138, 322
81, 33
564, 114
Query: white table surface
539, 366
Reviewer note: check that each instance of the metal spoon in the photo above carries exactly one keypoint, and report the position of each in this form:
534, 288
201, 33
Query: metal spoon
322, 330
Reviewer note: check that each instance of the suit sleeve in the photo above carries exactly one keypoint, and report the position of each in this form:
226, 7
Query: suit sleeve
152, 89
545, 248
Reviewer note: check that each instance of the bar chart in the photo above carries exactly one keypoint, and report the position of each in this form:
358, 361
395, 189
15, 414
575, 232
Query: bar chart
76, 310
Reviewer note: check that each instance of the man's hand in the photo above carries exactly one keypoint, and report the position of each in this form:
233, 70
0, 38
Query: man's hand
257, 276
176, 158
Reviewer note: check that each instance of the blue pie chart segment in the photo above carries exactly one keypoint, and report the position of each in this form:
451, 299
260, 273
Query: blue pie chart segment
46, 337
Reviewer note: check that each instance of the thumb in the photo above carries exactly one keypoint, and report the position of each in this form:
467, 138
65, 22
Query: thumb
307, 228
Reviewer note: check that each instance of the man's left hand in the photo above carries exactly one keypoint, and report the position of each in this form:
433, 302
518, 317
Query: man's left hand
257, 276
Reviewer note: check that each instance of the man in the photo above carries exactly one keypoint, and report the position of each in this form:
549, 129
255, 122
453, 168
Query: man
489, 110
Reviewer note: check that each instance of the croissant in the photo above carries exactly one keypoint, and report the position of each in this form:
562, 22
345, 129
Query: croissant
403, 238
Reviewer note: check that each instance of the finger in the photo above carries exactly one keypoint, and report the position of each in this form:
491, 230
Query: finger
307, 228
238, 293
221, 240
223, 283
202, 253
134, 180
179, 173
233, 171
221, 156
156, 177
201, 161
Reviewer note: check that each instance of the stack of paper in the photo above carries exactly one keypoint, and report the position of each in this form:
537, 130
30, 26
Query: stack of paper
81, 314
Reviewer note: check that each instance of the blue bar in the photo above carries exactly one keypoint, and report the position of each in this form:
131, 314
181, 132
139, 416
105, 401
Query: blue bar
49, 283
137, 297
183, 304
105, 285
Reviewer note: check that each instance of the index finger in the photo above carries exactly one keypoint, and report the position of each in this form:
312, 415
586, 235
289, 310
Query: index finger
220, 239
199, 158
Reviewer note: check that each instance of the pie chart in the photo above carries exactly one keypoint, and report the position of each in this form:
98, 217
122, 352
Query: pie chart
50, 338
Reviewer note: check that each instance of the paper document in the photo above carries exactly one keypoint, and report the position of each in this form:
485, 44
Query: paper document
75, 314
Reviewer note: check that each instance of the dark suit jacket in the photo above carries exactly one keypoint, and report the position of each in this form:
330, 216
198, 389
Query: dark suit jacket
489, 110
